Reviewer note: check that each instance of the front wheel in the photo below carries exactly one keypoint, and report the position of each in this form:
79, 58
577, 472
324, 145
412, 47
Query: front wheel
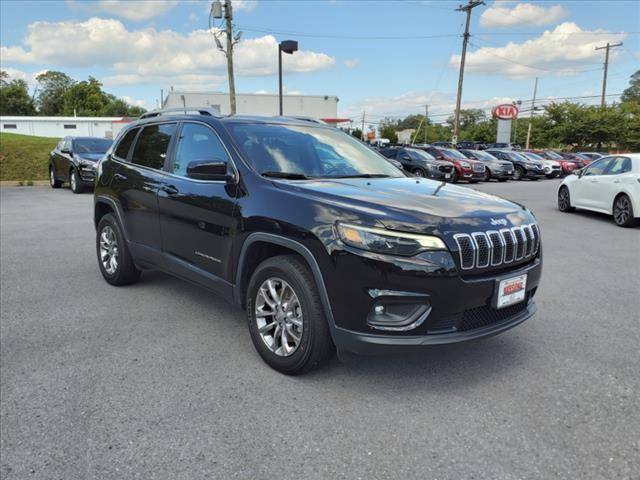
623, 212
564, 200
74, 181
418, 172
286, 320
487, 175
114, 258
518, 173
455, 177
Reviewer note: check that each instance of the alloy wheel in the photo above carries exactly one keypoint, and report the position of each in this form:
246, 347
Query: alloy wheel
622, 210
52, 177
563, 199
418, 173
73, 181
278, 316
517, 173
109, 250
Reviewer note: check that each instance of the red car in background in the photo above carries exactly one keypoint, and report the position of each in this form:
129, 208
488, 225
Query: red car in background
464, 168
568, 166
579, 160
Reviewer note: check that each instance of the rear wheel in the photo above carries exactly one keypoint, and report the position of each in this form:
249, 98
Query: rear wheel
114, 258
564, 200
286, 320
53, 181
623, 212
518, 173
74, 181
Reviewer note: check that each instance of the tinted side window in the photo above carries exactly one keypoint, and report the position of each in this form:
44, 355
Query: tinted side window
152, 145
598, 167
197, 142
122, 150
619, 165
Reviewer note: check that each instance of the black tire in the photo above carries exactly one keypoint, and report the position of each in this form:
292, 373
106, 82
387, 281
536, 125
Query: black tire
53, 181
502, 179
418, 172
623, 212
316, 346
518, 173
474, 181
564, 200
126, 272
455, 178
75, 182
487, 175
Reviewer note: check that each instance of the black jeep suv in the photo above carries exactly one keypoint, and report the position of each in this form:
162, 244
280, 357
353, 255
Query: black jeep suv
320, 239
74, 160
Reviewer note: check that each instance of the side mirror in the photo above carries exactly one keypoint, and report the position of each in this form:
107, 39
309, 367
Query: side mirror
207, 169
578, 172
67, 151
405, 157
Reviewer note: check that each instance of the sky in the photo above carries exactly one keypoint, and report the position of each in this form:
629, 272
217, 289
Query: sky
380, 58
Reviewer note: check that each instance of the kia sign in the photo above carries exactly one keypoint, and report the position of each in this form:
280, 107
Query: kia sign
505, 111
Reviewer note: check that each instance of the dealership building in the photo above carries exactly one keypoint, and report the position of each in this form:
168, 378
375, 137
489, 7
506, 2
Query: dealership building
58, 127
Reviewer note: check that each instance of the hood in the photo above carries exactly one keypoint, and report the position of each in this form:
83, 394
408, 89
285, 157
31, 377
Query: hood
90, 157
412, 205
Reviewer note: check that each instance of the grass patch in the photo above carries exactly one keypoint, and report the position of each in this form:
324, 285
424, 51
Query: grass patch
24, 158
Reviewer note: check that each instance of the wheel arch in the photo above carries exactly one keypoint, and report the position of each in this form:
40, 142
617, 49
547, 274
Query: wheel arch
104, 205
259, 246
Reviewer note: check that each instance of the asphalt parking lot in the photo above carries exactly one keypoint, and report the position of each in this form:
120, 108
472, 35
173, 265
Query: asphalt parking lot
160, 379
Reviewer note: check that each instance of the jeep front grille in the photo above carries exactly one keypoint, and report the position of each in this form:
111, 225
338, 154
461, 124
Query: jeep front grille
497, 247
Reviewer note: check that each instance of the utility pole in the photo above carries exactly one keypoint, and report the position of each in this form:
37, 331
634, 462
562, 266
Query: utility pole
426, 121
362, 131
533, 111
606, 48
463, 8
228, 16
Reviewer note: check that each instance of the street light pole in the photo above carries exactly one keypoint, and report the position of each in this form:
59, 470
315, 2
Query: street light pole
286, 46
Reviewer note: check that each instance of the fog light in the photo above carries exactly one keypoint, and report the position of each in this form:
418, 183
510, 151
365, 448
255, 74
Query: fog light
398, 314
379, 309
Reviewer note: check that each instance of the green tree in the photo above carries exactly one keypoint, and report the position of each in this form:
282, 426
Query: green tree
53, 87
119, 108
85, 99
14, 97
632, 93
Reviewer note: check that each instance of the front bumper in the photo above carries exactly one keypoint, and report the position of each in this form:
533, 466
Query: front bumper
531, 173
368, 344
501, 173
461, 306
87, 175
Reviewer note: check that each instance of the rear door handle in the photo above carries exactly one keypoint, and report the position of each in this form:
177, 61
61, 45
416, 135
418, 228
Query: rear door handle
119, 177
170, 189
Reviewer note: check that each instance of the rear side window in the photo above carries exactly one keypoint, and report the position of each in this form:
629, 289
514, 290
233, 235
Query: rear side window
619, 165
197, 142
152, 145
122, 150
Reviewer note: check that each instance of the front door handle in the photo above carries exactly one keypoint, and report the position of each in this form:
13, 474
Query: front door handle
616, 181
169, 189
119, 177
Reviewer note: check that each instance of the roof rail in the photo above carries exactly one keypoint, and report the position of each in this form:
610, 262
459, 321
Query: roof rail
185, 111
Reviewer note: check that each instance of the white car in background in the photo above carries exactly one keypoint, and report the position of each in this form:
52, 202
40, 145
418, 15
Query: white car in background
552, 169
609, 185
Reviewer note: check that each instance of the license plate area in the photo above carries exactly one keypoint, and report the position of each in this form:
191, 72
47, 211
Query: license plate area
510, 291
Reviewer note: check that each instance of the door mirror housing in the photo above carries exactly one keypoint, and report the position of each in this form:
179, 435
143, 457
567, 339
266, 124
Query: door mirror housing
67, 151
208, 169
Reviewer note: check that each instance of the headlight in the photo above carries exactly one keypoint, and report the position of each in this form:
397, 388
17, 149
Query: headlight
385, 241
465, 164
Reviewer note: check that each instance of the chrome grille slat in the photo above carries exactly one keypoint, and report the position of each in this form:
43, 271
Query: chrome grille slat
497, 247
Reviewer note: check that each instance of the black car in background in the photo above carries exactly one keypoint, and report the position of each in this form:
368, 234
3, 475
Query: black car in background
321, 240
420, 163
523, 167
74, 160
470, 145
502, 170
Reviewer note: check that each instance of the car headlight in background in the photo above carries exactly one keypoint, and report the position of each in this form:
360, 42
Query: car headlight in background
379, 240
465, 164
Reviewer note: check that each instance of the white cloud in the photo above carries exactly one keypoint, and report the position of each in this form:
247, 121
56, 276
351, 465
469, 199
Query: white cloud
352, 62
567, 50
441, 105
29, 77
502, 14
135, 102
246, 5
135, 10
146, 55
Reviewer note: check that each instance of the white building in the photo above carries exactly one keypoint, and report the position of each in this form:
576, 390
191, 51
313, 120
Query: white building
58, 127
405, 136
323, 107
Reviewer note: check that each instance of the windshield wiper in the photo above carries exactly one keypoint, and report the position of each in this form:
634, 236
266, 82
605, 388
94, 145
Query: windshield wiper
288, 175
362, 175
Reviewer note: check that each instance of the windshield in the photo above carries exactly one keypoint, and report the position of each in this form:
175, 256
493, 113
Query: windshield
420, 155
517, 156
454, 154
553, 155
308, 151
91, 145
533, 156
484, 156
